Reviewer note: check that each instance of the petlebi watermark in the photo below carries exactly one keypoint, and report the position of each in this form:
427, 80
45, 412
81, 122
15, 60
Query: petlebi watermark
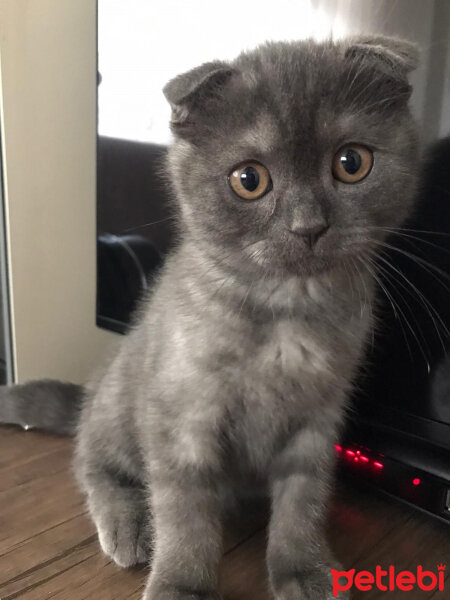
389, 579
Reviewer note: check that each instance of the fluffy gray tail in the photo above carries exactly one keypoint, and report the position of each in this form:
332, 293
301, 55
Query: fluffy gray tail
45, 404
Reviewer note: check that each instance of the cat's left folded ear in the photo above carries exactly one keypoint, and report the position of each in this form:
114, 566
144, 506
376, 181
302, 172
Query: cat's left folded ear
394, 56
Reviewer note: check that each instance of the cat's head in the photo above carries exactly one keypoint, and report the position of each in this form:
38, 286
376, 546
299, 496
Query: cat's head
295, 156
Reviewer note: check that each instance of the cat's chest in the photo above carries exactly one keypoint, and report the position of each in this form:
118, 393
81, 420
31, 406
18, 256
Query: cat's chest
291, 348
314, 328
295, 371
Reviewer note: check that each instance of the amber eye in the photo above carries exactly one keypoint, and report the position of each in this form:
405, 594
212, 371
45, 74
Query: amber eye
250, 180
352, 163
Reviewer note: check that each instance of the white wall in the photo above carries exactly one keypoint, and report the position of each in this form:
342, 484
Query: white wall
48, 57
437, 107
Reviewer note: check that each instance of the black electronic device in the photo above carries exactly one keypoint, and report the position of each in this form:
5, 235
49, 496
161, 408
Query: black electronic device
402, 416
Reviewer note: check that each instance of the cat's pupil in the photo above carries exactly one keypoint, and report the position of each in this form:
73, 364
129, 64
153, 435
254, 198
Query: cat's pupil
250, 179
351, 161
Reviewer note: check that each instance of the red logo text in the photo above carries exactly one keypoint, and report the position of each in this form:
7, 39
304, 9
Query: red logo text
389, 580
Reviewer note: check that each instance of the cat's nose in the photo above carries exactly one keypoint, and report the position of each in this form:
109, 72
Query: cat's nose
310, 235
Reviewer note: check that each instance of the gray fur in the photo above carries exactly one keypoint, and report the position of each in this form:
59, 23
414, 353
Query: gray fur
239, 367
50, 405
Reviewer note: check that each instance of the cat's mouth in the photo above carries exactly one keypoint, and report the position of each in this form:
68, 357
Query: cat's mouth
292, 256
311, 266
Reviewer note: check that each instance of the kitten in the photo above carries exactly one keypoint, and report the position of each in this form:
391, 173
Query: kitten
287, 164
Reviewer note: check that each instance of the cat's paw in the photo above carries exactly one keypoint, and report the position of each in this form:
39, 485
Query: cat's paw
124, 536
164, 591
310, 584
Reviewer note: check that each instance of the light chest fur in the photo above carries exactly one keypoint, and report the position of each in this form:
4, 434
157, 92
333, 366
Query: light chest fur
278, 375
298, 376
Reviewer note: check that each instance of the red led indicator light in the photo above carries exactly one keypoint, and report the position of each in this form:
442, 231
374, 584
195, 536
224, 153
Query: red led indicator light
357, 457
416, 481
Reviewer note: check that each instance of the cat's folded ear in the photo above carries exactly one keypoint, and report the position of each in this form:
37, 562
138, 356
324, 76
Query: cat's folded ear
394, 56
380, 67
197, 90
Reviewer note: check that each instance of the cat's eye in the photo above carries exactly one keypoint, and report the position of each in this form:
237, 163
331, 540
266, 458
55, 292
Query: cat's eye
352, 163
250, 180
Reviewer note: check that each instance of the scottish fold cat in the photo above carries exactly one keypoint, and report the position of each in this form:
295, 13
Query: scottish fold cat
287, 165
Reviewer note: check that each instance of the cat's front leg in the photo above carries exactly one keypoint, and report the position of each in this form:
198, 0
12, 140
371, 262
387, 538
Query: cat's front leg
298, 557
187, 547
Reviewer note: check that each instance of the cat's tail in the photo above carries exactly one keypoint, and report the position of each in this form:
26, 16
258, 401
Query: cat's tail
45, 404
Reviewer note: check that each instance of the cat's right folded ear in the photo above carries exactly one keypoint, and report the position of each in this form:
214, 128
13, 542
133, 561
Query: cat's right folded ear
197, 90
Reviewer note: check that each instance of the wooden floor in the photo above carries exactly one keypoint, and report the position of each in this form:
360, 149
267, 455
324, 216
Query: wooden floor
48, 546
